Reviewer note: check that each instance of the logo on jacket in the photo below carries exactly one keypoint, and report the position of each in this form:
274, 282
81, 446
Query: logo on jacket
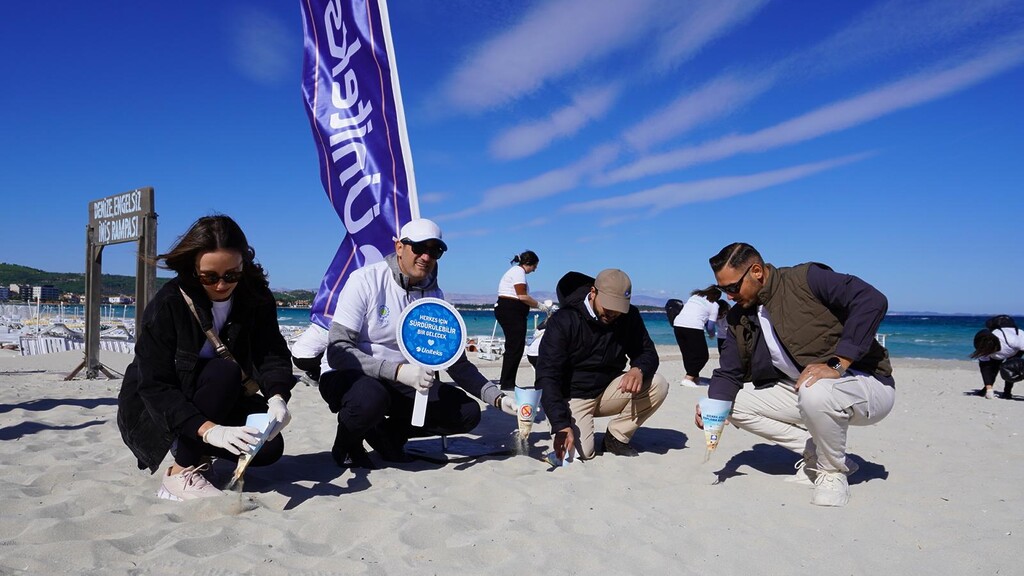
383, 312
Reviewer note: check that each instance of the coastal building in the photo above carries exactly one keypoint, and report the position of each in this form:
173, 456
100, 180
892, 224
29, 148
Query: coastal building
47, 293
5, 294
24, 292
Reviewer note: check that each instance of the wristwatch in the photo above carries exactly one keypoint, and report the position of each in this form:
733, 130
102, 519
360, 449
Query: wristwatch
835, 364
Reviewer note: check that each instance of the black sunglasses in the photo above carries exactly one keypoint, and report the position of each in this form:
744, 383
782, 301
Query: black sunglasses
421, 248
734, 288
211, 278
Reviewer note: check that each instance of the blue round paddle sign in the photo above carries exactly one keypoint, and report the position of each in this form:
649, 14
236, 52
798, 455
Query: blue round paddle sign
431, 333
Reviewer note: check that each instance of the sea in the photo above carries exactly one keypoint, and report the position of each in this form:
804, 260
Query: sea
935, 336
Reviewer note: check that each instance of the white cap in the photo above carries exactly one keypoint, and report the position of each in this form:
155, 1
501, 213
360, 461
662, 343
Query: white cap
421, 230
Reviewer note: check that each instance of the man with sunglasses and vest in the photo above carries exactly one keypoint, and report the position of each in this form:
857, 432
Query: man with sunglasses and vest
365, 378
804, 338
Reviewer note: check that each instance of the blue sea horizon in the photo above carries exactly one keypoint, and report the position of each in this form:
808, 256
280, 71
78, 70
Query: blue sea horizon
933, 336
907, 335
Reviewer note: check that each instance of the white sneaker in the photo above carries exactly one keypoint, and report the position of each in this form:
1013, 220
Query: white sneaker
189, 484
988, 394
831, 489
689, 383
807, 469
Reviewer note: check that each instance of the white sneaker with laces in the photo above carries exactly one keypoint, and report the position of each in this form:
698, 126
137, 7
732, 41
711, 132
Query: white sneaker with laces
989, 394
189, 484
831, 489
807, 469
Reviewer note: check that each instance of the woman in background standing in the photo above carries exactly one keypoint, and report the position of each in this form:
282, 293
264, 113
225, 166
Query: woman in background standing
512, 308
689, 326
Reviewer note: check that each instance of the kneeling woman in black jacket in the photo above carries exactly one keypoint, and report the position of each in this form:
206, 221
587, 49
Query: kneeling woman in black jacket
178, 395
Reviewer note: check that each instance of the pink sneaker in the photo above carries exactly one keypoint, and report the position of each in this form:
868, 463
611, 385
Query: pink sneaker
189, 484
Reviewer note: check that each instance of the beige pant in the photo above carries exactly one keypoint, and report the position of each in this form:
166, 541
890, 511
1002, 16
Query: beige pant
822, 412
629, 411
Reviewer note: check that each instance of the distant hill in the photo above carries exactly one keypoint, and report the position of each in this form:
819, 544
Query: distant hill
111, 284
116, 284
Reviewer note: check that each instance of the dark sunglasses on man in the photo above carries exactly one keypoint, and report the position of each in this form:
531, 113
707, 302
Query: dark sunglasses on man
428, 247
211, 278
734, 288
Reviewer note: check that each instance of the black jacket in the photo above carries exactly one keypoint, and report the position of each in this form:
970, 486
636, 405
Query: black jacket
580, 356
155, 404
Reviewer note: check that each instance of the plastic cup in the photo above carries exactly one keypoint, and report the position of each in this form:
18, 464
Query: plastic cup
554, 461
527, 400
713, 413
261, 422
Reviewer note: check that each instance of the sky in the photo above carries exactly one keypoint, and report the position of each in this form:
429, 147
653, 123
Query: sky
883, 138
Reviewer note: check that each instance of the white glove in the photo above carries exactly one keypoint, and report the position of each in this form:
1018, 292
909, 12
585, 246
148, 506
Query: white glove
415, 377
507, 404
546, 305
234, 439
278, 410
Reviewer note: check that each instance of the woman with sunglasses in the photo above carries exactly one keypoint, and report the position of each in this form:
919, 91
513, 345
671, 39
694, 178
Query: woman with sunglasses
179, 394
511, 310
690, 326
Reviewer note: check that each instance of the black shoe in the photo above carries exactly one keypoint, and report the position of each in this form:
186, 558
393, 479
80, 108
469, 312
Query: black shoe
353, 458
614, 446
348, 453
389, 449
1008, 391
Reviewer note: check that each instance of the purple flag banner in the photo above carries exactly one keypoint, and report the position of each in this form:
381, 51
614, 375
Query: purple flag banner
350, 85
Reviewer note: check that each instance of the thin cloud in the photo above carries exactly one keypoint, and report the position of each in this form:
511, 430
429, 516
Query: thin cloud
532, 137
542, 186
882, 30
552, 41
710, 102
677, 194
432, 197
535, 223
900, 95
559, 38
261, 47
705, 22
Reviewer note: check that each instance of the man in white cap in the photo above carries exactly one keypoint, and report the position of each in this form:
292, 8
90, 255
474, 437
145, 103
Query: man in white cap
365, 378
582, 369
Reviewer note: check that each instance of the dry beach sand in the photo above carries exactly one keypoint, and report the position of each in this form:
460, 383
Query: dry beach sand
938, 492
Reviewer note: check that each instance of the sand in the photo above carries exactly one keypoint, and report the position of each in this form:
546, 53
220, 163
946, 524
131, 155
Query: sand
938, 492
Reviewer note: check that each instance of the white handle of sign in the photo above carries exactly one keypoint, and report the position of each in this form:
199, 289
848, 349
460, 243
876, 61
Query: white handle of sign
419, 409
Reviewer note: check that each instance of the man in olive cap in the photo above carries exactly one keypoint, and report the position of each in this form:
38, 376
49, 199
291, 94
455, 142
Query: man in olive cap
582, 366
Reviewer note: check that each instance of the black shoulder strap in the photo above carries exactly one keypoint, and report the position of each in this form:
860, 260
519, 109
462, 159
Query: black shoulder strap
251, 387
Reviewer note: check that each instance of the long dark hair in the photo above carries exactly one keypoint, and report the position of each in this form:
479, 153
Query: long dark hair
985, 343
209, 233
527, 258
711, 293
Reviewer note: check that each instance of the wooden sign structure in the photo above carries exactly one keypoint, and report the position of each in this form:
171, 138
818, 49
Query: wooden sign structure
125, 217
